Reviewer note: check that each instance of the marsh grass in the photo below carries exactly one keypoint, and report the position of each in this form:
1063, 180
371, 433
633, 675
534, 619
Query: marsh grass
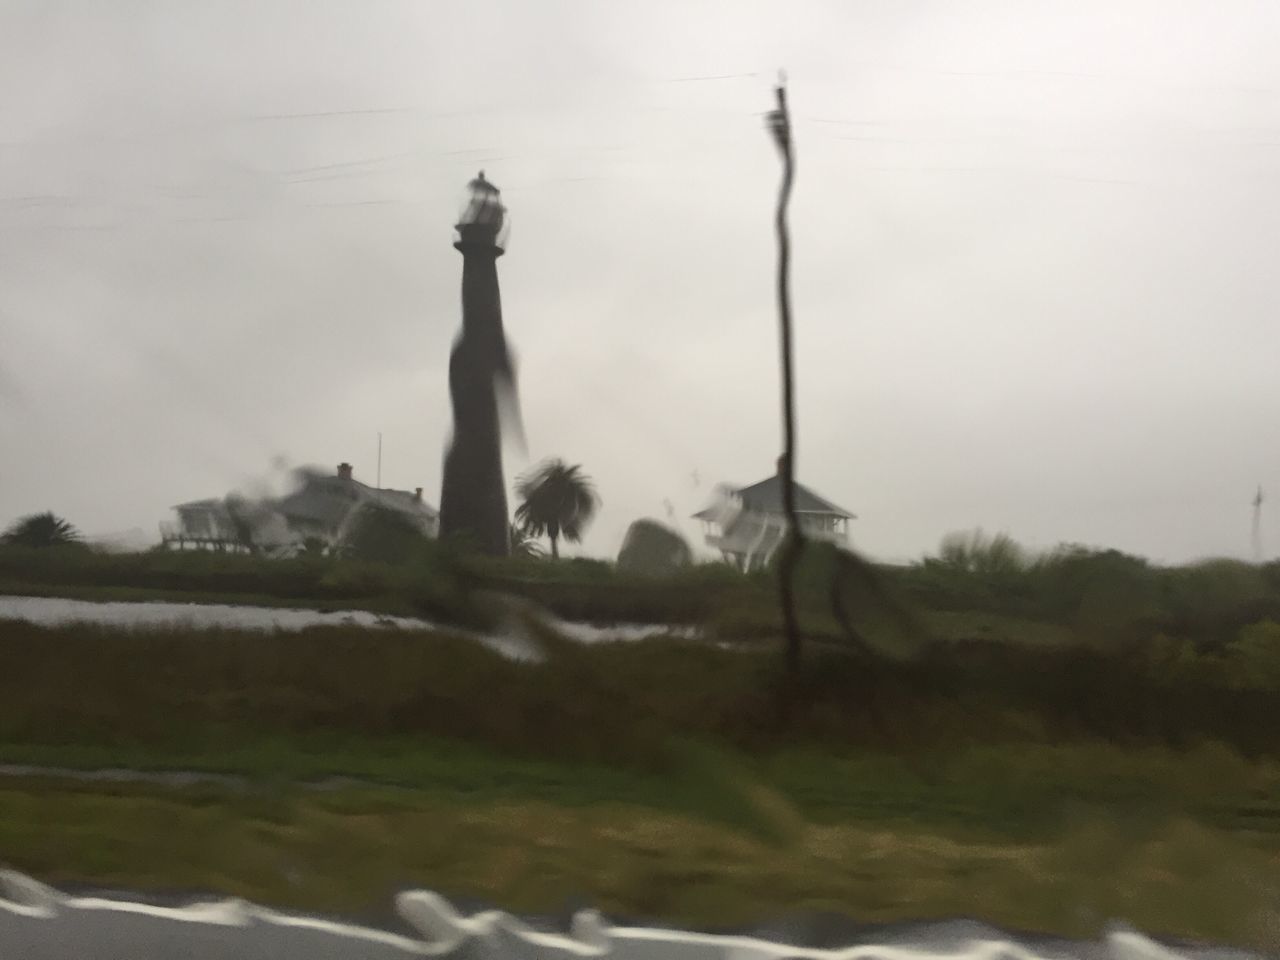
617, 703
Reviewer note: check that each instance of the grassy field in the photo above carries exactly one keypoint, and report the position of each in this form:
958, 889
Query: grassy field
1050, 758
1036, 785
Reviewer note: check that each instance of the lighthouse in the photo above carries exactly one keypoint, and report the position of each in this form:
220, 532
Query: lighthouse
473, 499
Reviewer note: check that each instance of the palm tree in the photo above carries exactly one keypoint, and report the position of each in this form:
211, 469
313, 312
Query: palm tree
41, 530
523, 545
556, 500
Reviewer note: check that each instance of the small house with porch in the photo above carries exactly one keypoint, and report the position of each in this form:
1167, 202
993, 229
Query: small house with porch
748, 524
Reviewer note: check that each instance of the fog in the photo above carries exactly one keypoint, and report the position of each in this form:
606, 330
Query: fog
1031, 243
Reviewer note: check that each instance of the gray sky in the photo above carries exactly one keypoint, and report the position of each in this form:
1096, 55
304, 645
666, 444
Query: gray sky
1032, 274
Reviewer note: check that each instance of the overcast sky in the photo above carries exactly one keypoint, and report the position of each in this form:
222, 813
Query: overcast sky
1034, 254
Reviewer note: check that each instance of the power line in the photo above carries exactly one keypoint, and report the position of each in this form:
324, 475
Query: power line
321, 167
720, 76
323, 114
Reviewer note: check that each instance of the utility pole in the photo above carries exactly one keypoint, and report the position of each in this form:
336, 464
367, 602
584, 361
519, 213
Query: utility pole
379, 459
779, 121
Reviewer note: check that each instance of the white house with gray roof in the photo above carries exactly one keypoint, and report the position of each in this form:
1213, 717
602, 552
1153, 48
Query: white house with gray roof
320, 509
748, 524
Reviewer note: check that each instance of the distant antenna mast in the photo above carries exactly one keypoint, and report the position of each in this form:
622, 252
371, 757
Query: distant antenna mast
379, 459
1257, 525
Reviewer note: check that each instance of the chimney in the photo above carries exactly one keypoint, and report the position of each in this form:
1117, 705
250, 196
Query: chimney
782, 464
417, 494
344, 471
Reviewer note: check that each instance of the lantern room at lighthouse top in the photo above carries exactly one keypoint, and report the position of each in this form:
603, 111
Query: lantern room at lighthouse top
483, 224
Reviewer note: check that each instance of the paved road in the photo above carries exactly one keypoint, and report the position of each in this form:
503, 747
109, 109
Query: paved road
40, 923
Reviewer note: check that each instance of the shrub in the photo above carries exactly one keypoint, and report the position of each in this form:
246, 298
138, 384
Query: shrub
974, 552
1253, 660
41, 530
653, 549
1212, 600
1108, 596
381, 534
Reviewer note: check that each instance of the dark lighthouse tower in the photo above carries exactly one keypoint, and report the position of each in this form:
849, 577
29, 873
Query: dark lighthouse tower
473, 501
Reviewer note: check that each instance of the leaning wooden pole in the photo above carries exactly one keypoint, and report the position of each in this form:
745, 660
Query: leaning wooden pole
780, 125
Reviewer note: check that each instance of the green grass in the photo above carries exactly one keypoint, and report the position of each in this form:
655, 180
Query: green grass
1010, 792
349, 851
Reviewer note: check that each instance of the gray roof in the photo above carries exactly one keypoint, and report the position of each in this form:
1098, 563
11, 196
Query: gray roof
403, 499
211, 503
766, 497
328, 500
323, 500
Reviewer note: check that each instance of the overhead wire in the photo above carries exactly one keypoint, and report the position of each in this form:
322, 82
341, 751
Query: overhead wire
378, 165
